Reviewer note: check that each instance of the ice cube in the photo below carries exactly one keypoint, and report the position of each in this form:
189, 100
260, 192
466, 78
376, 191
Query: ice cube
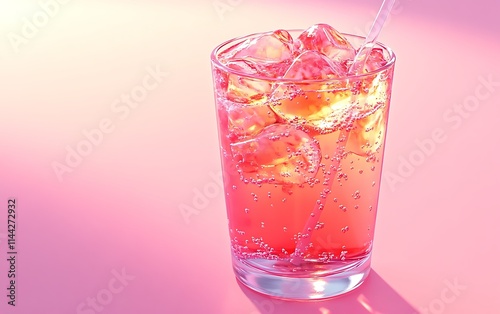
275, 47
272, 53
247, 87
327, 40
323, 106
375, 60
370, 93
367, 135
279, 154
313, 65
249, 120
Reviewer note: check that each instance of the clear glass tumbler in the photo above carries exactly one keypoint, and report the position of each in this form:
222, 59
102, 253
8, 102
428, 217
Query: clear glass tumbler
302, 162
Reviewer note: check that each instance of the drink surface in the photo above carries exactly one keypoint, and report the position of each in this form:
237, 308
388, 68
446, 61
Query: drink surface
301, 144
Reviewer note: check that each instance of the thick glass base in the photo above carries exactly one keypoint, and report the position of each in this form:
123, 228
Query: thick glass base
285, 281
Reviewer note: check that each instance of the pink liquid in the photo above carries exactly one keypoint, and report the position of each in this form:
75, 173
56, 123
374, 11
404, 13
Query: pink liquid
301, 154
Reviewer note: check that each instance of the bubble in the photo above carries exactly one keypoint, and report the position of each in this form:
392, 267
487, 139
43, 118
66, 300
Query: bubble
341, 175
319, 225
343, 255
356, 195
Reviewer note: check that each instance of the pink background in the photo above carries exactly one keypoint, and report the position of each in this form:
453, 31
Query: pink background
118, 208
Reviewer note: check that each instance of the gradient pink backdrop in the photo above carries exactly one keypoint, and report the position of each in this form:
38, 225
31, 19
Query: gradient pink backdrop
118, 209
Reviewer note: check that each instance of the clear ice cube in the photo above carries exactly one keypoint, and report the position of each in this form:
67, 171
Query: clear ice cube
375, 60
313, 65
323, 106
280, 154
271, 53
249, 120
247, 87
327, 40
367, 134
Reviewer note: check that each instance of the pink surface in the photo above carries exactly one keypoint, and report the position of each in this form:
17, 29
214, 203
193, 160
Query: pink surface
109, 229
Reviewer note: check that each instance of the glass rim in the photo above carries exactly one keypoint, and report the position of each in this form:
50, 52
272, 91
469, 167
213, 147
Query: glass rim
217, 63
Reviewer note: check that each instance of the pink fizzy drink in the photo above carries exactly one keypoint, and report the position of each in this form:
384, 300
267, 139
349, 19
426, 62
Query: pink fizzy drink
302, 142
